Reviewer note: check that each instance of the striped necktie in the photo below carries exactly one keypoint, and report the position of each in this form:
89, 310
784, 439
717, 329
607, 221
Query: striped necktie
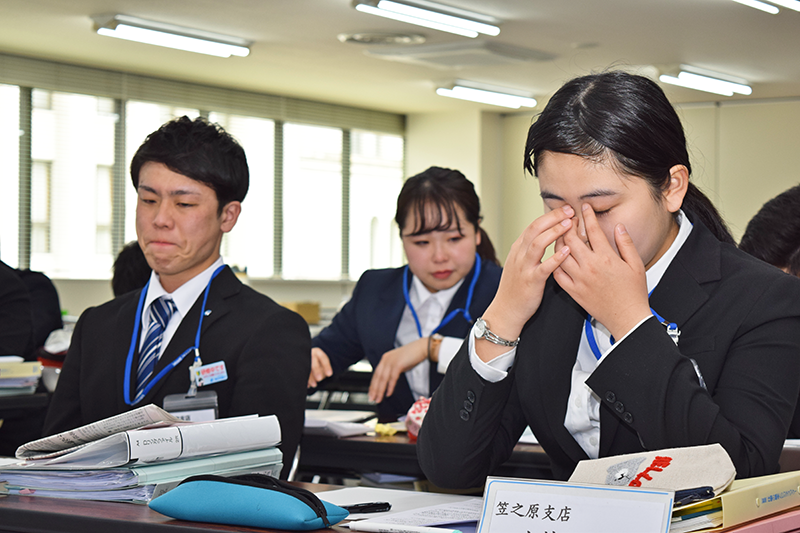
160, 312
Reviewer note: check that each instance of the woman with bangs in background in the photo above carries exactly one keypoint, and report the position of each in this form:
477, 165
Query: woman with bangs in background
409, 322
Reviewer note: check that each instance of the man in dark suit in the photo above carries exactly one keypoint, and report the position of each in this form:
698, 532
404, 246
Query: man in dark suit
16, 321
191, 177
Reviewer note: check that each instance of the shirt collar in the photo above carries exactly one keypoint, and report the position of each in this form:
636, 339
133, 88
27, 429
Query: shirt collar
421, 294
185, 295
656, 272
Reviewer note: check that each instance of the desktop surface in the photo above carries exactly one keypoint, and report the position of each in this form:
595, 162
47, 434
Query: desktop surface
397, 454
27, 514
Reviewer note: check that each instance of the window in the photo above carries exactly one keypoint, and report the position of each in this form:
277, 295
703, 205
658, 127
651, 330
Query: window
103, 204
312, 202
376, 177
11, 196
71, 136
323, 178
250, 245
40, 207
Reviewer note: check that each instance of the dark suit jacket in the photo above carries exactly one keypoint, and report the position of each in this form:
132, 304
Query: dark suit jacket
45, 306
367, 325
16, 319
739, 320
265, 348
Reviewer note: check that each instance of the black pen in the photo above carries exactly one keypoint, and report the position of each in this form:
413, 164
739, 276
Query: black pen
368, 507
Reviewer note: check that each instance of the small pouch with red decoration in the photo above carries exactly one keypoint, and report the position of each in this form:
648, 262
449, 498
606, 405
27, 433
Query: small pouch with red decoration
415, 417
670, 469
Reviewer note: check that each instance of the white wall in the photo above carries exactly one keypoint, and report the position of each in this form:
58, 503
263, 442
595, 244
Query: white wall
469, 142
743, 154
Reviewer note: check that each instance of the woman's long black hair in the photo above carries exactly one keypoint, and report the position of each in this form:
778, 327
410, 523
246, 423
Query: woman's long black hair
624, 119
444, 189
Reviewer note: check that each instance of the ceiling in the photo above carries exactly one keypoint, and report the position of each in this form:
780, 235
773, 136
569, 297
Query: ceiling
296, 51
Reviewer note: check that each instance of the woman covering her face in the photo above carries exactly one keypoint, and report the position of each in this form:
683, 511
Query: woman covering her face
409, 322
646, 329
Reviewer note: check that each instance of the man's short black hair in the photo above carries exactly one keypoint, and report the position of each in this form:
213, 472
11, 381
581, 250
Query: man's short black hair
131, 270
199, 150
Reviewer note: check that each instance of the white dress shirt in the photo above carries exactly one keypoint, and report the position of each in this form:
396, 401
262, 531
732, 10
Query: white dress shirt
431, 308
583, 407
184, 297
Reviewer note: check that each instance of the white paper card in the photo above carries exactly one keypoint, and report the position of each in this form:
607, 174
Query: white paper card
532, 506
150, 445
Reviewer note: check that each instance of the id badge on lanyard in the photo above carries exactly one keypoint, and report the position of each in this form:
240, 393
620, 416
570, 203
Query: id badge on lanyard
202, 407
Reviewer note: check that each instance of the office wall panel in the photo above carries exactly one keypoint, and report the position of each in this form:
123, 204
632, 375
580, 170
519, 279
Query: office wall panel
758, 156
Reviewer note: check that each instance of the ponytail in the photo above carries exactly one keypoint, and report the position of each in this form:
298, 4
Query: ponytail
700, 206
486, 248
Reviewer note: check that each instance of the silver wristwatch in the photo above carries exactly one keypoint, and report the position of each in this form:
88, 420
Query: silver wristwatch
481, 330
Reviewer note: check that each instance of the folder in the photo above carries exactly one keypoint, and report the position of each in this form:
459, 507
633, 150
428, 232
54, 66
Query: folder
750, 499
21, 369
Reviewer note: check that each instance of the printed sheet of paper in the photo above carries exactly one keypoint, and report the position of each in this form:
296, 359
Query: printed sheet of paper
143, 416
436, 515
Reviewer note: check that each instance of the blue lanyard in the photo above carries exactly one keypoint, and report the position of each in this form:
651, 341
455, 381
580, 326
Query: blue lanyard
464, 310
672, 331
173, 364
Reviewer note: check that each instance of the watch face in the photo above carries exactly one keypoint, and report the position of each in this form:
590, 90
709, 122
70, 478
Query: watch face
480, 328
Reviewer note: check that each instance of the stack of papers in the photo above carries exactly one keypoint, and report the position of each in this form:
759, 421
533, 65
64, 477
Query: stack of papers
141, 454
138, 484
18, 376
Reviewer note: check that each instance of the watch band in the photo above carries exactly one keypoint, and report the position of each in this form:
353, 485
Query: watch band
481, 330
434, 341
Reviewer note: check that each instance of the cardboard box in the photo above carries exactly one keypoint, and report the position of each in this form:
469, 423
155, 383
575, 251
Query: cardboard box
308, 310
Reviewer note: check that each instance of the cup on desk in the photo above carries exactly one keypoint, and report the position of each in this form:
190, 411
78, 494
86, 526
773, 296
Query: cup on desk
50, 377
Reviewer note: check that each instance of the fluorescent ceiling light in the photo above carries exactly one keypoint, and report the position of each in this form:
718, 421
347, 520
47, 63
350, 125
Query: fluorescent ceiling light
431, 15
171, 36
487, 97
790, 4
704, 80
760, 5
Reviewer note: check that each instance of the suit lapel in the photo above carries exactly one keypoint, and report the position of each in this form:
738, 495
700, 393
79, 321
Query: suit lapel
680, 293
392, 304
556, 360
125, 323
676, 298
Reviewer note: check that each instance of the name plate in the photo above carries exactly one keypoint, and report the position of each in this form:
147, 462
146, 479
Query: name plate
533, 506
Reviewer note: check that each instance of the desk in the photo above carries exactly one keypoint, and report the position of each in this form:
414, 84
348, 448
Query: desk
12, 406
397, 455
23, 419
27, 514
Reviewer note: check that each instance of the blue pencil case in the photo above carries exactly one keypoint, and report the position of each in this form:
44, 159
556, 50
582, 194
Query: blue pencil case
253, 500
